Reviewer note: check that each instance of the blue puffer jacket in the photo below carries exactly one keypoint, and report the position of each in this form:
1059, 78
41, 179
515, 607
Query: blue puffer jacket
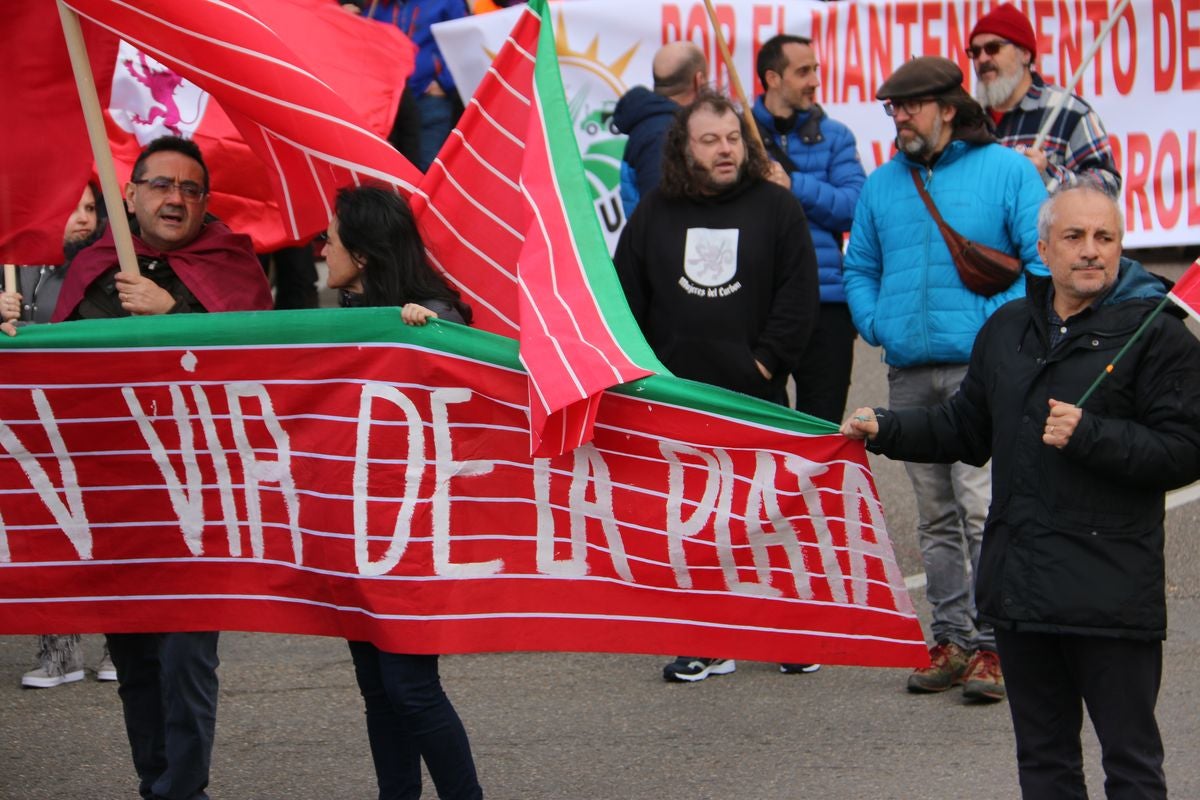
901, 284
827, 183
645, 117
416, 18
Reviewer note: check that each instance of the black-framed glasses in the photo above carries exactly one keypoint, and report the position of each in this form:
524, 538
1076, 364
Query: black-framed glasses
910, 107
991, 48
190, 190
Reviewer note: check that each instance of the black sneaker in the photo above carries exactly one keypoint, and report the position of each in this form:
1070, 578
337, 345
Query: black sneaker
796, 669
687, 669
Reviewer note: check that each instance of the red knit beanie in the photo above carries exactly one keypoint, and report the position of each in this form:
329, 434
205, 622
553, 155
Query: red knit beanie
1009, 23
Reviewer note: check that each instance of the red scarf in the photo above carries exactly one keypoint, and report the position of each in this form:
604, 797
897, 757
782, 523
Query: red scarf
218, 266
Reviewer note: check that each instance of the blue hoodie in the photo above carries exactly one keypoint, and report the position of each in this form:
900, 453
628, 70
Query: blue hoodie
645, 118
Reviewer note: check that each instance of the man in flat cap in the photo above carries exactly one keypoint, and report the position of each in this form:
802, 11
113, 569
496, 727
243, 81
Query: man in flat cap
907, 295
1003, 49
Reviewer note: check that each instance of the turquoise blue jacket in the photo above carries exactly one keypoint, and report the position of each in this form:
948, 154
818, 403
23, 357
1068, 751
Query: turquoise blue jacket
901, 284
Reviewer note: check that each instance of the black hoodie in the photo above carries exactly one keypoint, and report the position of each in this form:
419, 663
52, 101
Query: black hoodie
718, 282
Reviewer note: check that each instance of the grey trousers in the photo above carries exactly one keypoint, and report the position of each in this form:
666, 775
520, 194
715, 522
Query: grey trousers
952, 504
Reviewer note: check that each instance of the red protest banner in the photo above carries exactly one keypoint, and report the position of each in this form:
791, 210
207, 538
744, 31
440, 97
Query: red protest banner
227, 472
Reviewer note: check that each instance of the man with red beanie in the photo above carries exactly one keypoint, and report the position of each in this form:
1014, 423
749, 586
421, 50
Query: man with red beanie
1003, 48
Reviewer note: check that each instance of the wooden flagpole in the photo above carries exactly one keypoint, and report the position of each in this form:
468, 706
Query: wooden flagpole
94, 116
1056, 107
747, 109
10, 278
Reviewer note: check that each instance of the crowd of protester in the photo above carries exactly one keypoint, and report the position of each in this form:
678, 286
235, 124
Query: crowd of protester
772, 203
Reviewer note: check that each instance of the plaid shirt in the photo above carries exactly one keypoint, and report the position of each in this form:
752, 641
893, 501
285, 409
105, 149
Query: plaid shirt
1076, 147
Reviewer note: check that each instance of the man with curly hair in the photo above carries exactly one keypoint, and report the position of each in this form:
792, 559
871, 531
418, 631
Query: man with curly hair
718, 267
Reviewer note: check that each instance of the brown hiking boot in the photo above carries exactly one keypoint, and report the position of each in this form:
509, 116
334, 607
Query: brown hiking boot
983, 681
948, 667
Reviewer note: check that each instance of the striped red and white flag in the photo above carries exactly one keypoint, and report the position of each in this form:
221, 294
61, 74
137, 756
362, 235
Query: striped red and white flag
505, 213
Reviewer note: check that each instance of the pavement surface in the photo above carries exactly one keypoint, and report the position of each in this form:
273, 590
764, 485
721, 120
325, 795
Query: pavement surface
563, 726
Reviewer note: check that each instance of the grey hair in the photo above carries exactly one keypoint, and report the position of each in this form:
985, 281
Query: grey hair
1048, 213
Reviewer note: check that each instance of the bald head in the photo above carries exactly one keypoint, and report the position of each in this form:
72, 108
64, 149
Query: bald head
679, 71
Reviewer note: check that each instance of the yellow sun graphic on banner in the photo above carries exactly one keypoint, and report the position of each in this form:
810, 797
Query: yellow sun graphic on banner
592, 87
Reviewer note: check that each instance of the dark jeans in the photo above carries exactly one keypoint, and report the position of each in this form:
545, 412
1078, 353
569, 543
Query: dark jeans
823, 377
168, 690
409, 718
406, 129
1049, 678
439, 115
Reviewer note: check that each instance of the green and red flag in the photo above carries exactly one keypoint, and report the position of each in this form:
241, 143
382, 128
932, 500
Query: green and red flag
506, 213
1186, 292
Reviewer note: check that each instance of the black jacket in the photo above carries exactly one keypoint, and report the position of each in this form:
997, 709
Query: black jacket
1074, 538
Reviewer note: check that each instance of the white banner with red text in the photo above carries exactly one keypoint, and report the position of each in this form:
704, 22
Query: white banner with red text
1144, 81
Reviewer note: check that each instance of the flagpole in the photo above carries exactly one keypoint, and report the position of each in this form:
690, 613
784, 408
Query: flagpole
94, 117
747, 109
1057, 104
10, 278
1136, 335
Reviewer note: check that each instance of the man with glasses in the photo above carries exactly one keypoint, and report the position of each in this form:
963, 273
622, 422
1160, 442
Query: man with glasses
1003, 48
826, 176
906, 295
188, 263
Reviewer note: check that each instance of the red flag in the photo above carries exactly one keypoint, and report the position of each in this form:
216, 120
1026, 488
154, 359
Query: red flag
282, 134
1186, 293
44, 154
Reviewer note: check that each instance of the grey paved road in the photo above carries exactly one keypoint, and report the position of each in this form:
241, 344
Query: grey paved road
596, 727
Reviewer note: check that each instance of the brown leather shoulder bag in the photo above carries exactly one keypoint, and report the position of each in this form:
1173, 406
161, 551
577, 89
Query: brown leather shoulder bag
984, 270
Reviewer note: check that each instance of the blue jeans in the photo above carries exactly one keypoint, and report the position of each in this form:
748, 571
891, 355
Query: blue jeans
437, 120
168, 690
409, 718
952, 505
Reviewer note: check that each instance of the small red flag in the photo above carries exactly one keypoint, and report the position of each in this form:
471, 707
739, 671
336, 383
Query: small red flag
1186, 292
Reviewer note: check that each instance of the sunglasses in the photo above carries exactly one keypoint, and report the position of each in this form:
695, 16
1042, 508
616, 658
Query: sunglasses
991, 48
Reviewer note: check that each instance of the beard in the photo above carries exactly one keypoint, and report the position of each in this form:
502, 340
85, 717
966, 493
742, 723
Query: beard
997, 91
703, 181
921, 147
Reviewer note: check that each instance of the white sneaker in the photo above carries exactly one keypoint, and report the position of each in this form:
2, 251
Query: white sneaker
42, 678
105, 671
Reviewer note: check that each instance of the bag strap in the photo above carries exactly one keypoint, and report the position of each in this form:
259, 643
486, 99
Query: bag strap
773, 148
948, 233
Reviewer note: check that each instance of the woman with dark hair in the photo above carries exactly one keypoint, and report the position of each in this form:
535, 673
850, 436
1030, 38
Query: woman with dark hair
376, 258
